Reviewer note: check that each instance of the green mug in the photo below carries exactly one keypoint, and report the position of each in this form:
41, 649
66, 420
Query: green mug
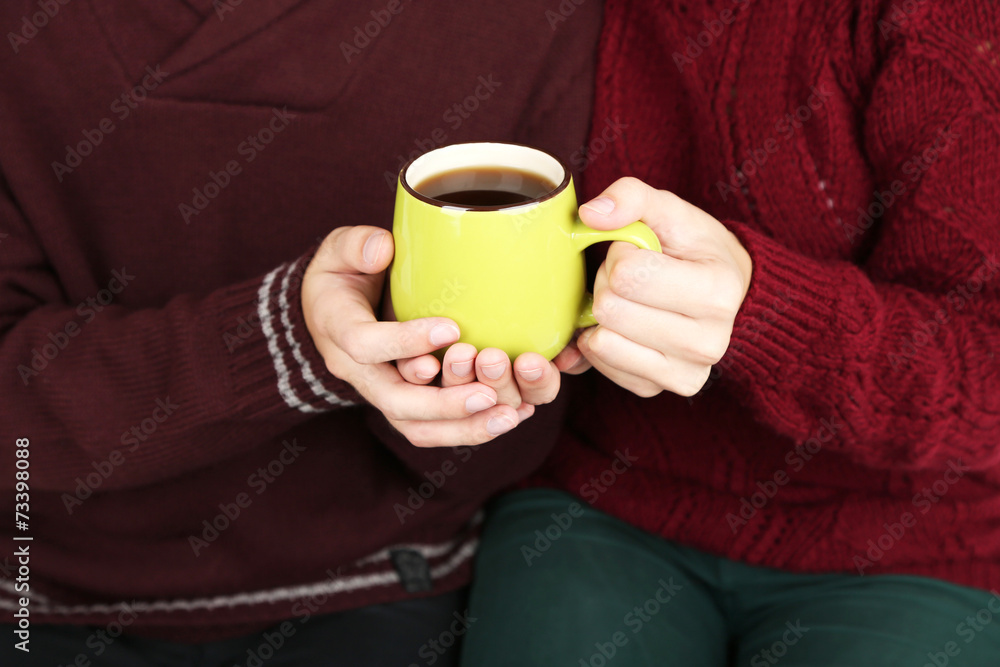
501, 252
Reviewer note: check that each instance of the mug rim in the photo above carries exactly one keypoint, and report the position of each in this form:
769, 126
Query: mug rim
500, 207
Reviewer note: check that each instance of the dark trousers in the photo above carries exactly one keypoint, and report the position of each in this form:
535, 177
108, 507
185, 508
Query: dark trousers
411, 633
603, 593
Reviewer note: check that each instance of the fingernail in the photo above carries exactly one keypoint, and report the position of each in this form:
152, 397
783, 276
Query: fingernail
461, 368
479, 402
442, 334
531, 375
500, 425
424, 377
495, 371
603, 205
372, 247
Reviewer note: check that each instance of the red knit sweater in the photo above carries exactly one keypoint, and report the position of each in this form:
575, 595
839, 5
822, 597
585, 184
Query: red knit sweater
164, 167
853, 146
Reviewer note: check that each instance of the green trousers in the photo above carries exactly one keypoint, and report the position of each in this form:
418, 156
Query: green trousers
559, 583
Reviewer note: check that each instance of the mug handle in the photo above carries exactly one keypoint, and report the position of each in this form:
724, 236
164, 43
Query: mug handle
583, 236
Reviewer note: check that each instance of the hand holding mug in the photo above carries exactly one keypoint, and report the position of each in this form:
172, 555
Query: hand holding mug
340, 290
531, 380
664, 319
487, 235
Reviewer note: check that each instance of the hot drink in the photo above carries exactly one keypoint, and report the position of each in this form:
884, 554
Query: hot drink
485, 186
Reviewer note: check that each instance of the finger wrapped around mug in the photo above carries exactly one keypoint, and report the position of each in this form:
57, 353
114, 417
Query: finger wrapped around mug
531, 380
471, 431
700, 340
459, 365
419, 370
538, 379
706, 288
456, 367
493, 368
642, 370
427, 416
652, 338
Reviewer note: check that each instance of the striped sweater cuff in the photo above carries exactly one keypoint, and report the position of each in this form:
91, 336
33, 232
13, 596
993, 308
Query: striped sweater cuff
274, 362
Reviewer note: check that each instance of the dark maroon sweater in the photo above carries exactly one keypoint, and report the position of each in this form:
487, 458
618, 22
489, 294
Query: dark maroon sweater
165, 166
853, 145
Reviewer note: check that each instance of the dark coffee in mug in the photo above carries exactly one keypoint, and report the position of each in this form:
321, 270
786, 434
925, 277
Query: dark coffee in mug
485, 186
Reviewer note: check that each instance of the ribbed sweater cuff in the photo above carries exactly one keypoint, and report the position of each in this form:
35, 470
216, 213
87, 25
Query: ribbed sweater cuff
273, 363
792, 304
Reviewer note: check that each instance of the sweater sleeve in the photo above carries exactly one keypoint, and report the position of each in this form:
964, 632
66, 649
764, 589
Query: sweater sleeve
896, 352
173, 388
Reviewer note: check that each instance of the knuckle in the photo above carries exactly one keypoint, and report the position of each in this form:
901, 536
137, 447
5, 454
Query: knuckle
408, 371
392, 409
731, 296
686, 390
406, 333
648, 390
717, 348
692, 382
597, 343
419, 437
353, 343
621, 278
632, 192
630, 182
551, 390
393, 350
605, 306
480, 435
392, 414
669, 198
331, 244
699, 353
544, 397
414, 432
725, 296
322, 320
706, 350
